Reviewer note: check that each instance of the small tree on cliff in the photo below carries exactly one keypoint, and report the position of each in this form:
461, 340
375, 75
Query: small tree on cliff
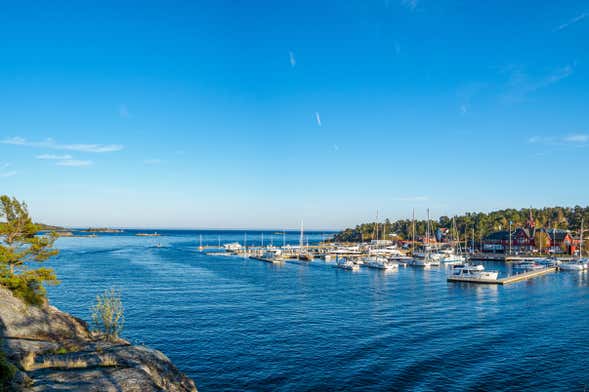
19, 248
107, 314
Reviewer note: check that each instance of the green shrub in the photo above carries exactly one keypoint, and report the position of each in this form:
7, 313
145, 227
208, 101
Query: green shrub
107, 314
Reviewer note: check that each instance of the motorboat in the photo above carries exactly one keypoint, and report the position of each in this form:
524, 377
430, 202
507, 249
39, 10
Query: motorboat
347, 265
528, 266
473, 272
427, 261
453, 259
380, 263
576, 265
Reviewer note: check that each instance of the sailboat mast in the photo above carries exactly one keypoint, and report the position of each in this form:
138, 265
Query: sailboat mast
301, 238
413, 232
581, 239
427, 232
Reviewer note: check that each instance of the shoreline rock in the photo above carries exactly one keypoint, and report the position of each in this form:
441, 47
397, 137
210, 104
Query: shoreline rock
53, 350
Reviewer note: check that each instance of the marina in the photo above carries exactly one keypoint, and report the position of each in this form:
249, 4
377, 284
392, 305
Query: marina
343, 310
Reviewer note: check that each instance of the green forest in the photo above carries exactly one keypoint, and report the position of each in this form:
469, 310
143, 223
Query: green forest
568, 218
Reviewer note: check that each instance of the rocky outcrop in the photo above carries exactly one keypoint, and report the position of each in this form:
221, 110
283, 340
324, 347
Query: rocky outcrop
53, 350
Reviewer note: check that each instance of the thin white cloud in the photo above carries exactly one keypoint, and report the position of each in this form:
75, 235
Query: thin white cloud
292, 59
577, 138
411, 198
573, 21
410, 4
74, 163
4, 172
540, 140
51, 144
54, 157
124, 111
463, 109
572, 139
318, 118
521, 84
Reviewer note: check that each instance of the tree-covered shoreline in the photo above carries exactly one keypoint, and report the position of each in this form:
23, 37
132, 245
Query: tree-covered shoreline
566, 218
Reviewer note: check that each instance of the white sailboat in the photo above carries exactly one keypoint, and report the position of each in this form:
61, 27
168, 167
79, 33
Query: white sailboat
427, 258
579, 264
454, 256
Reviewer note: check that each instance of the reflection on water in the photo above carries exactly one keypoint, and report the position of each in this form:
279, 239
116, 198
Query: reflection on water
246, 325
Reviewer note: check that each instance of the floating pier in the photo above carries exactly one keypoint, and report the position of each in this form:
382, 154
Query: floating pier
267, 260
506, 280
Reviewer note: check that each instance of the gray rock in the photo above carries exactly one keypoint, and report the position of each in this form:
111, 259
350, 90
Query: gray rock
56, 352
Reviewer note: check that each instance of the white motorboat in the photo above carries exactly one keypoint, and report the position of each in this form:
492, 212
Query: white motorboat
234, 246
347, 265
453, 258
528, 266
577, 265
380, 263
474, 272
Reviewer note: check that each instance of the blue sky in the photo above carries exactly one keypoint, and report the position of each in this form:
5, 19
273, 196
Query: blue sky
232, 114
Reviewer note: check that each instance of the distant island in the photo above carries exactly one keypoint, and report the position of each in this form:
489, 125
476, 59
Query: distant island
45, 227
147, 234
101, 230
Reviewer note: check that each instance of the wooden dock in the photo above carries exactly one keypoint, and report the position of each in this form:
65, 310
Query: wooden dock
265, 259
506, 280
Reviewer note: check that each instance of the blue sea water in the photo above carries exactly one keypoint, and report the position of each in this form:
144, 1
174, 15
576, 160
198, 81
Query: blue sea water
235, 324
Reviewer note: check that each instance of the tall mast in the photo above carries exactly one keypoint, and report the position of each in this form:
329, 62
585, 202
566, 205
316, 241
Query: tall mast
301, 238
375, 234
427, 233
413, 232
581, 239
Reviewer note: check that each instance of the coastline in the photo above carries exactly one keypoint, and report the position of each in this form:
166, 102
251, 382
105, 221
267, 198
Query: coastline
47, 349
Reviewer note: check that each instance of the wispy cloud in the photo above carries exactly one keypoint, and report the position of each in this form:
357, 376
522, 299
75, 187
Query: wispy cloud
54, 157
335, 147
578, 139
4, 172
463, 109
74, 163
291, 58
318, 118
53, 145
521, 84
573, 21
410, 4
411, 198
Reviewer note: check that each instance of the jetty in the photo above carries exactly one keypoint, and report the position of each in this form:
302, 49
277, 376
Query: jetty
266, 259
505, 280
